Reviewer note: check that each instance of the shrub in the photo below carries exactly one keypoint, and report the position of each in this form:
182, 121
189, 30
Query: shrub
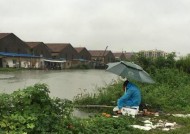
169, 93
31, 110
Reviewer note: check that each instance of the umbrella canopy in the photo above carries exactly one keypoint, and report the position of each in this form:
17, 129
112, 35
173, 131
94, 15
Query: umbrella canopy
129, 70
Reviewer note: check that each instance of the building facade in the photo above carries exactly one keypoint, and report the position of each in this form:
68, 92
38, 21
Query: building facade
83, 53
62, 51
102, 56
65, 52
15, 53
15, 60
153, 53
39, 49
12, 44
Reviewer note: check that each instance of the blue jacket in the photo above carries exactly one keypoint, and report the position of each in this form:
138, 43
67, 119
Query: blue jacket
131, 97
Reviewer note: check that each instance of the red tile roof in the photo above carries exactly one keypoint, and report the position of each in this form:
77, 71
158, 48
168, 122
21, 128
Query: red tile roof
57, 47
98, 52
2, 35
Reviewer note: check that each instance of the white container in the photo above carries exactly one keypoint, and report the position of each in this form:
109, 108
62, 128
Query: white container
129, 111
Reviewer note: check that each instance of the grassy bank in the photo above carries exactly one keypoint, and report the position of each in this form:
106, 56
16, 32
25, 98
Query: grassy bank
31, 110
170, 93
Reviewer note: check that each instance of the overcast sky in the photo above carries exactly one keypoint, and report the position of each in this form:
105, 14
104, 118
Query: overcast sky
128, 25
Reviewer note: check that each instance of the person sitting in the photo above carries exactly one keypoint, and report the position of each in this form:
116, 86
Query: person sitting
131, 97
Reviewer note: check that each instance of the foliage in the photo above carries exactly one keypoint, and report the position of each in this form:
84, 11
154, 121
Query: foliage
82, 66
31, 110
149, 64
103, 96
183, 64
169, 93
102, 125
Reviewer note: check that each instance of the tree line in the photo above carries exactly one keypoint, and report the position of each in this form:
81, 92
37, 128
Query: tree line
170, 61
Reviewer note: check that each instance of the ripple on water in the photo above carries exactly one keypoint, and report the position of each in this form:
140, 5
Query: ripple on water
6, 76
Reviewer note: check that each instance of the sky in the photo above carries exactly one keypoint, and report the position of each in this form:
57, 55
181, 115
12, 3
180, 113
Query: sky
122, 25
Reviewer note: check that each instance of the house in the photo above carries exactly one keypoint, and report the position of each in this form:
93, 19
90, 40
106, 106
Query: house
119, 56
84, 57
12, 44
16, 53
15, 60
83, 53
101, 57
63, 51
39, 49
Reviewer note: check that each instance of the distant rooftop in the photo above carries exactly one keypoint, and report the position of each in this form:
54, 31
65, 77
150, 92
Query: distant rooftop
2, 35
98, 52
57, 47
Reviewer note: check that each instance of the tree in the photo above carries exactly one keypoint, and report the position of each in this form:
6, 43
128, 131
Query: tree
183, 64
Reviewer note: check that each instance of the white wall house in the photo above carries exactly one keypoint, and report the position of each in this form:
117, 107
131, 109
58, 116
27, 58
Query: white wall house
20, 60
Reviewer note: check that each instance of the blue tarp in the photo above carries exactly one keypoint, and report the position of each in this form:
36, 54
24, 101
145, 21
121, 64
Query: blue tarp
18, 55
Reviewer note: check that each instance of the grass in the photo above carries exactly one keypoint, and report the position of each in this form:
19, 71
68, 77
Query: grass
169, 95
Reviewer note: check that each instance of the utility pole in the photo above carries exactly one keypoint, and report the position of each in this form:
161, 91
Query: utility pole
101, 60
104, 54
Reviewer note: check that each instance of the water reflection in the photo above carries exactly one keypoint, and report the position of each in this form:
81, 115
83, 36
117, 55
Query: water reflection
62, 83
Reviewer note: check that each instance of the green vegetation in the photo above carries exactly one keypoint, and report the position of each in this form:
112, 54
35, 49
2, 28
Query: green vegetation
184, 64
82, 66
31, 110
169, 94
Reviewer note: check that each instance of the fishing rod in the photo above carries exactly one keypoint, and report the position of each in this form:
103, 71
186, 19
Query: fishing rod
93, 106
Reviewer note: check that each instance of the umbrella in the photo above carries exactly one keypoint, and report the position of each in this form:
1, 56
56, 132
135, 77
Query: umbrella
129, 70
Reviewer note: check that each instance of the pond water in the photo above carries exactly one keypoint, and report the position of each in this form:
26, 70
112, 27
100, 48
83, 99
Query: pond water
62, 83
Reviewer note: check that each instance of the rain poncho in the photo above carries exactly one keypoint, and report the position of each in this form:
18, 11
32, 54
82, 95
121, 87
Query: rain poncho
131, 97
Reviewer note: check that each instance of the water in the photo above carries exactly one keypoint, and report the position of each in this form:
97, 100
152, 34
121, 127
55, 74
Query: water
62, 83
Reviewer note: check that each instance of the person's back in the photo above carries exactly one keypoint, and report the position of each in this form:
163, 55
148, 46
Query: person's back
131, 97
135, 95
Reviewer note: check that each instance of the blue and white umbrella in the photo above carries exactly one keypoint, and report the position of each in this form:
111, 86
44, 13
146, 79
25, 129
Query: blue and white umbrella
130, 70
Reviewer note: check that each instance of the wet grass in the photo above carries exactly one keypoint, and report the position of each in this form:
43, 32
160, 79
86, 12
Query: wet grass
169, 95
